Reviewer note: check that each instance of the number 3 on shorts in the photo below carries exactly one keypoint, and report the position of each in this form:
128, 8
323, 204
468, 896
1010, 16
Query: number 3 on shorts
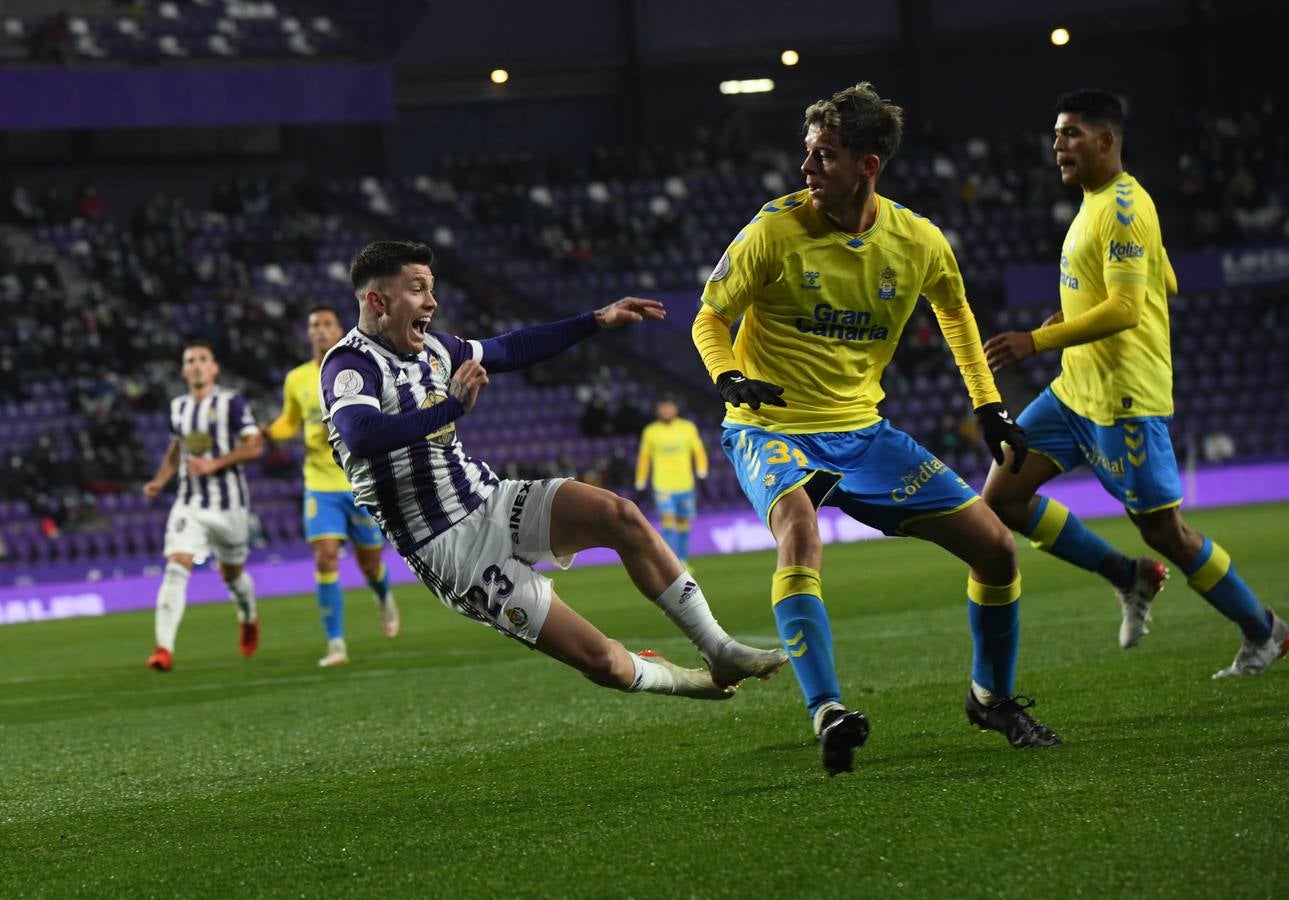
777, 454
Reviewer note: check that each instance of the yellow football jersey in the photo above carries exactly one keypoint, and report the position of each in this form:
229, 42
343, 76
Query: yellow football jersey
1116, 237
674, 452
823, 310
301, 407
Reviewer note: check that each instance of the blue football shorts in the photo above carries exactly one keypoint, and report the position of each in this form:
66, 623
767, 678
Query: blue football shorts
1133, 458
877, 475
678, 503
334, 514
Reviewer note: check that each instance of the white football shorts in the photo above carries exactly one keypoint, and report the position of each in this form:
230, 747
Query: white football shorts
482, 567
191, 529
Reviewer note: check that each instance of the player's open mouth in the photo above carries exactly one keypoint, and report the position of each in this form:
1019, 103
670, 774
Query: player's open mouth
420, 326
1065, 163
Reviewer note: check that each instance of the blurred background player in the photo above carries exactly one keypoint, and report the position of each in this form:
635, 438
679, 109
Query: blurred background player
392, 393
213, 434
671, 456
330, 513
1110, 405
824, 280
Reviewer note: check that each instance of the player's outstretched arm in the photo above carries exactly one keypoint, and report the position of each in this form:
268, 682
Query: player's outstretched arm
629, 310
169, 465
528, 346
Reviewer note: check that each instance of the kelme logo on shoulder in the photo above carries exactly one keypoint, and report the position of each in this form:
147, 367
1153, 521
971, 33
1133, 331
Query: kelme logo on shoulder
1127, 250
886, 287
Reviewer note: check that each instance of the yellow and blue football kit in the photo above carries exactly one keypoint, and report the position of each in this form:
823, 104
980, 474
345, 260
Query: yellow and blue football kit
1110, 405
822, 312
329, 507
671, 454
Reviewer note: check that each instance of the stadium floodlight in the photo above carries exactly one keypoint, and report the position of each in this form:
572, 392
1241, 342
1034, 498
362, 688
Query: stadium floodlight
499, 76
1060, 37
789, 57
747, 86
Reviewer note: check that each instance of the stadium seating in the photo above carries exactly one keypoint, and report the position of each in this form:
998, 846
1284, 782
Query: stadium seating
149, 32
524, 243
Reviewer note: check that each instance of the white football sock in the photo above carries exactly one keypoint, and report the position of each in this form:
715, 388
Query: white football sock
822, 711
650, 676
984, 695
686, 607
172, 597
242, 589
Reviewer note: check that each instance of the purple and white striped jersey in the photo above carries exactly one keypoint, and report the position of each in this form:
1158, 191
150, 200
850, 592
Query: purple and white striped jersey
418, 491
211, 427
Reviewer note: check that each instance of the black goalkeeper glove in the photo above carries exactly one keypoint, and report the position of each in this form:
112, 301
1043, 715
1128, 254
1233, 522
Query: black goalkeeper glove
997, 428
736, 389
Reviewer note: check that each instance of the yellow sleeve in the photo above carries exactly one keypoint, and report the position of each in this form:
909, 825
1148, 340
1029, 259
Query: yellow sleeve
748, 265
1170, 278
1126, 246
942, 284
1118, 312
958, 325
711, 335
288, 423
699, 451
642, 461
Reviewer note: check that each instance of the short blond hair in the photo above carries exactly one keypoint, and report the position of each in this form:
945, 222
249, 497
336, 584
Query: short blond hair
864, 121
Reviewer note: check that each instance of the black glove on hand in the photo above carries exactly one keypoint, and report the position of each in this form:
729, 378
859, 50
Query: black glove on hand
735, 389
998, 427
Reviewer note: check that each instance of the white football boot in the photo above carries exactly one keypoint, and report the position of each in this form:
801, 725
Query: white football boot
337, 653
1147, 581
1254, 657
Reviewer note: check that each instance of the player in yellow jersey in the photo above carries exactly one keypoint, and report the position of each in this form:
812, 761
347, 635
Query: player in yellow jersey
330, 514
672, 451
1110, 405
824, 280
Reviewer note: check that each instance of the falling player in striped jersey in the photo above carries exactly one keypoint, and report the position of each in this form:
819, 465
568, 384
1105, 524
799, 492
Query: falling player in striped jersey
330, 513
1111, 403
213, 434
392, 392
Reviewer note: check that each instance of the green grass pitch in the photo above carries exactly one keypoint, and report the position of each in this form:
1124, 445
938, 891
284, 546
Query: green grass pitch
452, 763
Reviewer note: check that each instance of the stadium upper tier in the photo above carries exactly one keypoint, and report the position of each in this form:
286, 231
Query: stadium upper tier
152, 32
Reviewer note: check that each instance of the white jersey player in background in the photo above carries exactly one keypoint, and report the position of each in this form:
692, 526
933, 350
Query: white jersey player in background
213, 434
391, 394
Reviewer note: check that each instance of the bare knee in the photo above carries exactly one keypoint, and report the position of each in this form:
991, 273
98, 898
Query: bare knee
326, 556
625, 525
1167, 533
1010, 507
994, 557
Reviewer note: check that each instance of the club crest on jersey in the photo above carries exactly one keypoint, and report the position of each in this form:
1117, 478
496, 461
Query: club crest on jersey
517, 617
811, 282
197, 442
435, 366
445, 435
886, 287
